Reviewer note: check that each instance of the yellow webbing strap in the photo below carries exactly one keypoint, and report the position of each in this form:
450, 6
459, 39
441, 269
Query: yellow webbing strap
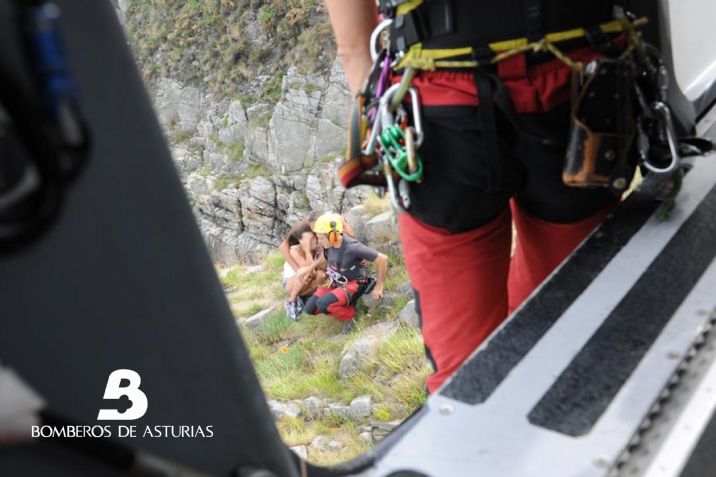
404, 8
431, 59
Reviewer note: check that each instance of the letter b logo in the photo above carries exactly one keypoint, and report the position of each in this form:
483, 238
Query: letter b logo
115, 390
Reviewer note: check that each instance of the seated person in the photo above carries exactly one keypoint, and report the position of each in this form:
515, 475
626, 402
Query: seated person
302, 282
291, 239
346, 269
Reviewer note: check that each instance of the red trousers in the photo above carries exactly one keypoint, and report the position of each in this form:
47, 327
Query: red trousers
467, 282
457, 237
334, 301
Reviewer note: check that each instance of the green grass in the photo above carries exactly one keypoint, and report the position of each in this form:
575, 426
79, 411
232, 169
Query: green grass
204, 171
236, 152
307, 87
261, 121
181, 137
295, 360
396, 274
204, 43
222, 182
267, 14
375, 205
256, 170
329, 158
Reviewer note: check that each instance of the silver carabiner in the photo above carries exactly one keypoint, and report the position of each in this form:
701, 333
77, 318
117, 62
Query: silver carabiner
417, 122
662, 109
392, 190
369, 149
374, 37
404, 191
382, 118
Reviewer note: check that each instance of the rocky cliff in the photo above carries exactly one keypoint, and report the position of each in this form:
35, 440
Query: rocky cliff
260, 153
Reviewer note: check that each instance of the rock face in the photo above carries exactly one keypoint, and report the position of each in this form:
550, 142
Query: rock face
409, 316
253, 170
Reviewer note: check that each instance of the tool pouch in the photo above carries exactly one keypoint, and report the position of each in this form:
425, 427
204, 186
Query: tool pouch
602, 126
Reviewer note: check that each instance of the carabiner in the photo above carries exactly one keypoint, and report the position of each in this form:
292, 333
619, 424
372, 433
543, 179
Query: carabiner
383, 118
374, 37
403, 89
662, 109
417, 122
397, 208
404, 191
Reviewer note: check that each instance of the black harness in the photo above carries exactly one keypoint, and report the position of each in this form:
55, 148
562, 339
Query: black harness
338, 280
438, 24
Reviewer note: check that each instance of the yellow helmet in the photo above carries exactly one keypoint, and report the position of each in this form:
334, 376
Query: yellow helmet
327, 223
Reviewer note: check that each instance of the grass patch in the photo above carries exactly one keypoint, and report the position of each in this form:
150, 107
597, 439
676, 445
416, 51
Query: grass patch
307, 87
272, 89
254, 308
181, 137
223, 182
295, 360
329, 158
236, 152
256, 170
261, 121
374, 204
206, 43
396, 275
204, 171
276, 328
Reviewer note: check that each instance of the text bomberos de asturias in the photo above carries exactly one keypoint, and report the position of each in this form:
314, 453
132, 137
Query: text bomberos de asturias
164, 431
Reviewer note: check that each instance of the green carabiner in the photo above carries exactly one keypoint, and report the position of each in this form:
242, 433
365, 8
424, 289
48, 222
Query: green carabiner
390, 139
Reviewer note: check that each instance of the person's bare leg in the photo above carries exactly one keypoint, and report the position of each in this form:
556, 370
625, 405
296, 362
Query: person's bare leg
294, 286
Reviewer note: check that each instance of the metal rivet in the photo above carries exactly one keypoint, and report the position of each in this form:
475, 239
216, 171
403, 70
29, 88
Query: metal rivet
609, 155
619, 183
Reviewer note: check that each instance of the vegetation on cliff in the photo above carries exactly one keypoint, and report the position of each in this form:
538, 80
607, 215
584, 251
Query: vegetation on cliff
226, 45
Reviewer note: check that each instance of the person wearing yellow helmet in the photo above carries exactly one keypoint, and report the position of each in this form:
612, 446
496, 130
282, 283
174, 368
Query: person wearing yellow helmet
303, 270
346, 259
292, 238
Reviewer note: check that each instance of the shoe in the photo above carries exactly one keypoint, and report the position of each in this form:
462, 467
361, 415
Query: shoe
348, 327
291, 310
299, 305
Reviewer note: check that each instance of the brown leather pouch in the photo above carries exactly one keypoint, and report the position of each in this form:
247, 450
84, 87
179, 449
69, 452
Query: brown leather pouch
599, 153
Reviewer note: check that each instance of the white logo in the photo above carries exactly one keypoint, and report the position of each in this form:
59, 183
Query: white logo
115, 390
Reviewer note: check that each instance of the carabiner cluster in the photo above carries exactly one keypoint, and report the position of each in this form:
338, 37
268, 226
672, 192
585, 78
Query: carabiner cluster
394, 129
